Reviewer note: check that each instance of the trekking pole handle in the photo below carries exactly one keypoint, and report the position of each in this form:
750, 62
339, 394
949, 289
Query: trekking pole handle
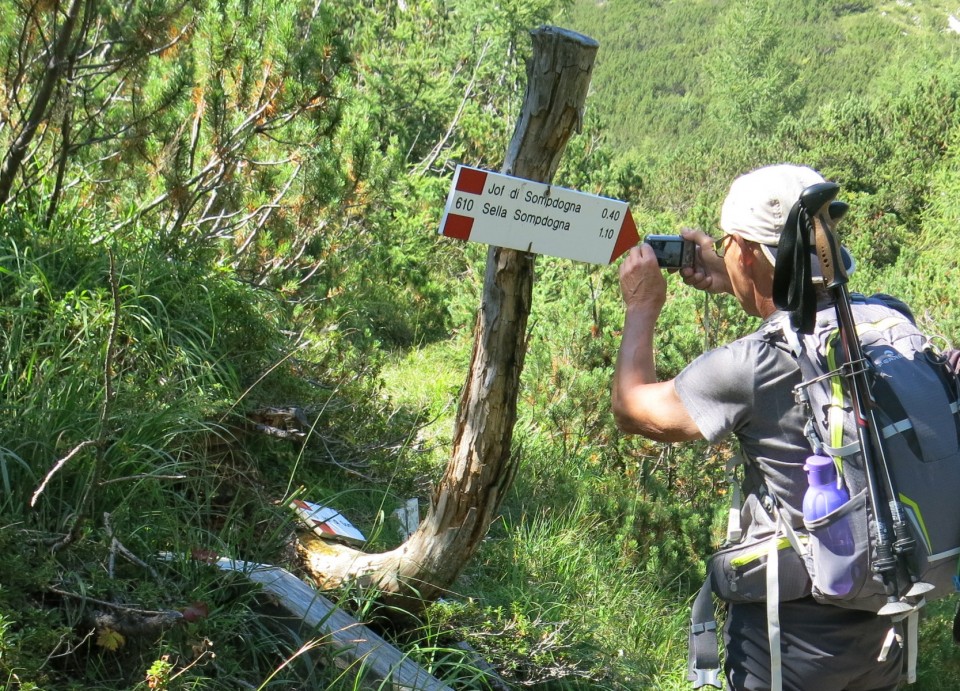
816, 201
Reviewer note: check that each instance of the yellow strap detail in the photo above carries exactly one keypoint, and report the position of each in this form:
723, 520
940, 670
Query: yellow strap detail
745, 559
916, 512
836, 413
885, 323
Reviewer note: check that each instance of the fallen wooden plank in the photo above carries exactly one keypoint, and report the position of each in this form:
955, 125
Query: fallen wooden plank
356, 645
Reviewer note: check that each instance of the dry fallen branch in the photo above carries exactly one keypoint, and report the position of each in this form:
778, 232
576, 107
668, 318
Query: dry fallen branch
117, 547
59, 464
357, 646
283, 423
126, 620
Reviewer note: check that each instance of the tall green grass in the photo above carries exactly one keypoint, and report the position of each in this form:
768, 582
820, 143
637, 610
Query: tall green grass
125, 386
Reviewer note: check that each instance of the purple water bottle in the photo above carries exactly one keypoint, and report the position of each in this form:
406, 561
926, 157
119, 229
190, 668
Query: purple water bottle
834, 558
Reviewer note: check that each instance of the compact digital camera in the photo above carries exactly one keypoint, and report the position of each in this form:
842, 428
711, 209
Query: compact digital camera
673, 252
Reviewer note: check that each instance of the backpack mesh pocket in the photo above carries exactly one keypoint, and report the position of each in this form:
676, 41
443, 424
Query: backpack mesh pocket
840, 551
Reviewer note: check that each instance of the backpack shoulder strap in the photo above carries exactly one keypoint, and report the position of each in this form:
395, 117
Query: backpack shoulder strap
703, 656
956, 626
781, 332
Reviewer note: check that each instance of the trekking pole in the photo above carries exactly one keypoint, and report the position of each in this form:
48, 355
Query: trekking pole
815, 201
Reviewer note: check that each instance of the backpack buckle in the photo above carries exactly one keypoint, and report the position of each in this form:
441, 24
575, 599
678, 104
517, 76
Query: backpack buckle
707, 677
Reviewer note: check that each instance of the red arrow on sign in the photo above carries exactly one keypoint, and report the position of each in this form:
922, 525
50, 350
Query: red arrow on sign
626, 238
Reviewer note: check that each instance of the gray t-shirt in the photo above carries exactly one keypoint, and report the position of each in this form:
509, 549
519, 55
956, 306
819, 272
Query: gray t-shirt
745, 388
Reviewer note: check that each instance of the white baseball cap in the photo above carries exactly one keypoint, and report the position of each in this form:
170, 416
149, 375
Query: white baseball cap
757, 206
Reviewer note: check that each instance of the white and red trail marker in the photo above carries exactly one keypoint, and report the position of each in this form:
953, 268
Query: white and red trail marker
520, 214
326, 522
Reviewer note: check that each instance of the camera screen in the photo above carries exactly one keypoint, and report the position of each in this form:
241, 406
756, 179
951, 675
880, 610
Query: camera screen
669, 252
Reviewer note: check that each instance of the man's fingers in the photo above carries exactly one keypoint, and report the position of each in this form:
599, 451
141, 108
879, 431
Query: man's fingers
698, 237
696, 279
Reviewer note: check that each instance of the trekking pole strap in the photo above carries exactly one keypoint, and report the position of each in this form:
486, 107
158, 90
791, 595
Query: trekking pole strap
793, 289
911, 634
703, 661
773, 614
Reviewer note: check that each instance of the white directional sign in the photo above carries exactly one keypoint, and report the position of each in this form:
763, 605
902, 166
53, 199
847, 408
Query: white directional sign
534, 217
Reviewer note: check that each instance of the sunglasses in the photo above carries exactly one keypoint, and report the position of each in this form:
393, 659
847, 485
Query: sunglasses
720, 245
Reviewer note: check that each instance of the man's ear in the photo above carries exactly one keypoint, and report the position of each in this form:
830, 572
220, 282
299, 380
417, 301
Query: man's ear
745, 254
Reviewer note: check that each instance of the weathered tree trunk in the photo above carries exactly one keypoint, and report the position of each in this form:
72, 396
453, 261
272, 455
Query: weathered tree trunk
481, 468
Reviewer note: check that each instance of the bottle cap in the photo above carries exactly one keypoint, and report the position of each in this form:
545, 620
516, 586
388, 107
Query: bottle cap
820, 470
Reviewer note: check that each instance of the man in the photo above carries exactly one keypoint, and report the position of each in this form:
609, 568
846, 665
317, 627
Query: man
745, 388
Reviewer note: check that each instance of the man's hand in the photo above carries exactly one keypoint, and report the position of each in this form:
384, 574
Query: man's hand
642, 283
709, 273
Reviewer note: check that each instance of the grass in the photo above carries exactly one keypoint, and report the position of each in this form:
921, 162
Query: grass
429, 379
938, 664
570, 589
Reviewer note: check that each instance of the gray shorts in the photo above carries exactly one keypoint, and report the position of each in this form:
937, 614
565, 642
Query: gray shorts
823, 648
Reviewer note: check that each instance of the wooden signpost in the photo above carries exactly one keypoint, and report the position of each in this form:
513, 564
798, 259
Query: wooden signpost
482, 463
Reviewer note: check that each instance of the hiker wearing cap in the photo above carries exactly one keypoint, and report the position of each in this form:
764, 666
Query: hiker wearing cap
745, 388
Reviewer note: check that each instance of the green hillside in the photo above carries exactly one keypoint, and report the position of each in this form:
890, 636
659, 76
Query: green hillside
672, 74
